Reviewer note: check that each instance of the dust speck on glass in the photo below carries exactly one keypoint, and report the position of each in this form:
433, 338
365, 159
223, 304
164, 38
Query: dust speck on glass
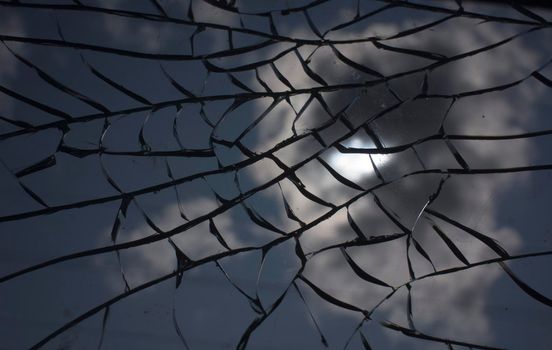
245, 174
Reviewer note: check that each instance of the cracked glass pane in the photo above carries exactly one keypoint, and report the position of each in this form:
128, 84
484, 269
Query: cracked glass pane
215, 174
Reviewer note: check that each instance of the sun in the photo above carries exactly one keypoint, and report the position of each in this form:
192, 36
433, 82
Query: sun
357, 166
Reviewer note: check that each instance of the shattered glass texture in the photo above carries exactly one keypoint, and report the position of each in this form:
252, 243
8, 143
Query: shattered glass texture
216, 174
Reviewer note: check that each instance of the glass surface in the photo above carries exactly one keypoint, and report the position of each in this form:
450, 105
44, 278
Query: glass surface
210, 174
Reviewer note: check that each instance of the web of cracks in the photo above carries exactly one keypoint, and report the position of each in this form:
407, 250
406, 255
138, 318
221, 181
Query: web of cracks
246, 94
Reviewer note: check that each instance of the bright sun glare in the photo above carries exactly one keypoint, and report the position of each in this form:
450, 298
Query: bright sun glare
356, 166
